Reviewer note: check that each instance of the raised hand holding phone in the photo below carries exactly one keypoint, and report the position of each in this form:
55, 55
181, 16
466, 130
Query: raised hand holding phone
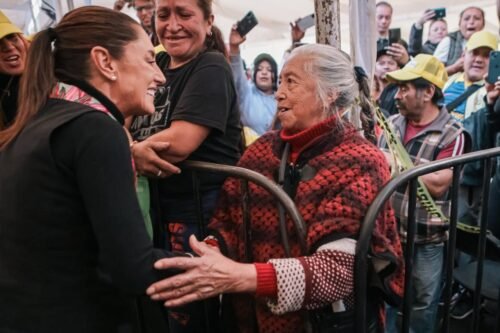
247, 23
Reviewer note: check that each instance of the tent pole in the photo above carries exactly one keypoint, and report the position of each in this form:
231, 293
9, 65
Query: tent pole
327, 13
33, 17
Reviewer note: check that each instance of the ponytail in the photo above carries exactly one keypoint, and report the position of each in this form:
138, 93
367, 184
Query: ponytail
367, 115
215, 41
36, 84
66, 49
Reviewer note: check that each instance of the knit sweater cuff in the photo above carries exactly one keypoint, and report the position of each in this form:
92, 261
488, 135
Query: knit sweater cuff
267, 285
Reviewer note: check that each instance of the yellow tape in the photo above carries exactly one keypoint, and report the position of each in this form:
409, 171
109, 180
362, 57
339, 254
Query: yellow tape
402, 162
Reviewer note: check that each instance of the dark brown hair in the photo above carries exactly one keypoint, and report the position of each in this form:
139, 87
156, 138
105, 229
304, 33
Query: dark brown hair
66, 49
215, 41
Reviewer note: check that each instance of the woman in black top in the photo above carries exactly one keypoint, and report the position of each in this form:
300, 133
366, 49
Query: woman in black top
74, 251
197, 113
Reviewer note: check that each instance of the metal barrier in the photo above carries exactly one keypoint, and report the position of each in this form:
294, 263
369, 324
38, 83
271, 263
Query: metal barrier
410, 176
247, 175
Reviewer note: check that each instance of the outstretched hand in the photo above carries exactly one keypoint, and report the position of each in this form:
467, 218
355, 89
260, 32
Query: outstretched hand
205, 276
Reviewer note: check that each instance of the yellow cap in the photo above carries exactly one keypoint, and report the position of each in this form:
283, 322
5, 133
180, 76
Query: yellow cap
422, 66
482, 39
6, 26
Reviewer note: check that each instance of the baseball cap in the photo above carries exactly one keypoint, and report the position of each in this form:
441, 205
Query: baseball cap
482, 39
423, 66
6, 26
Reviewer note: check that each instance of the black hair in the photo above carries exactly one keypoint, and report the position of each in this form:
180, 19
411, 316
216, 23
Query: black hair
422, 84
274, 67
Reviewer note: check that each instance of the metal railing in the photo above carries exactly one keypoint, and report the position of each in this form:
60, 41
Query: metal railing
247, 176
410, 176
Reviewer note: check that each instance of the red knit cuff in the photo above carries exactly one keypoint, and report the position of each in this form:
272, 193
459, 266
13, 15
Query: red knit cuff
267, 285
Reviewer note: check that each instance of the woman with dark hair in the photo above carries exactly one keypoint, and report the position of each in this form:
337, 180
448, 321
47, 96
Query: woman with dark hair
197, 113
74, 251
451, 48
13, 51
332, 171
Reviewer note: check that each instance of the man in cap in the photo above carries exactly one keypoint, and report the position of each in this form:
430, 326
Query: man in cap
427, 132
256, 98
13, 53
464, 92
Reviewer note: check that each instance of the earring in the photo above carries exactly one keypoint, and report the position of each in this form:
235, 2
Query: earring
113, 77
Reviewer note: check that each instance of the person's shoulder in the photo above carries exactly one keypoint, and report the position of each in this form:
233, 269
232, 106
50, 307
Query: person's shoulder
213, 57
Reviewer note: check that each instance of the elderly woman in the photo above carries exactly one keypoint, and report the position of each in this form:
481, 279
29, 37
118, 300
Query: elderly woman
13, 49
74, 251
333, 173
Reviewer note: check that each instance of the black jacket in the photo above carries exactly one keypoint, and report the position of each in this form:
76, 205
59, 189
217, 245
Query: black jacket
74, 252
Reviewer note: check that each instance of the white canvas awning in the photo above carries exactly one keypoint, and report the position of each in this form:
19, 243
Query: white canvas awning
272, 35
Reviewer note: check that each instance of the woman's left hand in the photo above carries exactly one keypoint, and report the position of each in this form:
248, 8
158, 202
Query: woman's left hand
206, 276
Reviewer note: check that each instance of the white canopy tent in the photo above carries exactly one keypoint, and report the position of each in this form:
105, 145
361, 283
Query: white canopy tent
272, 35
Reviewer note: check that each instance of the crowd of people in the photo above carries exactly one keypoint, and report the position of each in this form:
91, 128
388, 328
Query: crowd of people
103, 230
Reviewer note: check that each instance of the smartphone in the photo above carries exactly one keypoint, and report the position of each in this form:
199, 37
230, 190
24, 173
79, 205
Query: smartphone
394, 35
439, 13
246, 24
494, 67
306, 22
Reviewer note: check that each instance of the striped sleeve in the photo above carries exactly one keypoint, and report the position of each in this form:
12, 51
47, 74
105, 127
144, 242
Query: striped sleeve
455, 148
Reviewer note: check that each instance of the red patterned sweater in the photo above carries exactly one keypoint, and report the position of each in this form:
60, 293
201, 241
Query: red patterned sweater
349, 172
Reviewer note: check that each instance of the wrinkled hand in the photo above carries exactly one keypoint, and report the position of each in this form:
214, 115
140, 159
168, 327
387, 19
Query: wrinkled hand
493, 90
296, 33
399, 53
206, 276
148, 162
428, 15
235, 40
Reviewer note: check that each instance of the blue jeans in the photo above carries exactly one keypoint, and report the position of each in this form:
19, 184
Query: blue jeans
426, 278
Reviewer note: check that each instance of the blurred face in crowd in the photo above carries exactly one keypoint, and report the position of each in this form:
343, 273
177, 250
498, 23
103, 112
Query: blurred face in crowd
472, 20
299, 106
437, 31
383, 16
385, 63
145, 10
137, 77
13, 52
476, 63
264, 77
182, 29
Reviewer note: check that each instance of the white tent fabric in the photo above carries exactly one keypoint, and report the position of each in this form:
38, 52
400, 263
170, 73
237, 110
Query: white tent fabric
272, 35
